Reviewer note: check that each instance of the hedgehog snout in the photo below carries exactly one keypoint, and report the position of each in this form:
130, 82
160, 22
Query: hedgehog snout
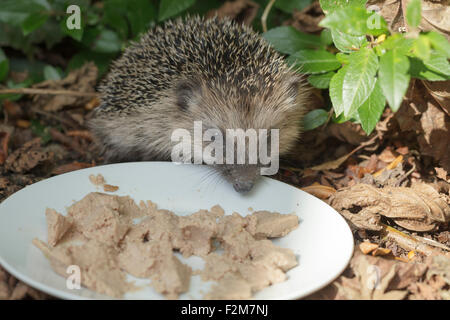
243, 186
243, 177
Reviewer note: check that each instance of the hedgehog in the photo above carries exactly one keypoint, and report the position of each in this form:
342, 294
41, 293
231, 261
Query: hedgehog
189, 69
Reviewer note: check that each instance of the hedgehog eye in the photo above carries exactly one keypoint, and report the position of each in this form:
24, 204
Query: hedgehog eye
185, 91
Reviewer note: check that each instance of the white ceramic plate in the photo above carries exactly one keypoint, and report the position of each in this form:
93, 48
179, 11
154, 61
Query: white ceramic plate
323, 242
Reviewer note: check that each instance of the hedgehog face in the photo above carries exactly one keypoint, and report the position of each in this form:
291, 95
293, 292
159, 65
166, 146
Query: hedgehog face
222, 107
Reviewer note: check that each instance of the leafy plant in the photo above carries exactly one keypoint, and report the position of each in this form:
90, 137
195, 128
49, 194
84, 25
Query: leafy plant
355, 57
106, 27
368, 65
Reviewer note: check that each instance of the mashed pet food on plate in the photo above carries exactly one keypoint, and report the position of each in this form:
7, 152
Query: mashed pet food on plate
100, 235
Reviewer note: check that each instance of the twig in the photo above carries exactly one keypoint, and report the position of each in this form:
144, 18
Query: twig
265, 14
47, 92
62, 138
402, 178
53, 116
84, 134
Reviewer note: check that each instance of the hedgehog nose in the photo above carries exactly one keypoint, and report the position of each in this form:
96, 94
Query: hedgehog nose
243, 187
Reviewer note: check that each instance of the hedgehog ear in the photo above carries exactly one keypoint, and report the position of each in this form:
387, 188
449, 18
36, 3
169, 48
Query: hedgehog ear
185, 92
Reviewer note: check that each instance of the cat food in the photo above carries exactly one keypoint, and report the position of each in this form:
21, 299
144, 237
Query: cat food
109, 236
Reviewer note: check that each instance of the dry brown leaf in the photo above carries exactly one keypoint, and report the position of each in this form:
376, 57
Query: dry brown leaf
369, 277
80, 80
442, 174
333, 164
390, 166
307, 20
319, 191
436, 284
24, 124
4, 140
367, 247
425, 117
440, 90
19, 292
71, 167
436, 126
348, 132
93, 103
27, 157
371, 282
243, 11
381, 252
435, 14
12, 109
419, 208
391, 11
110, 188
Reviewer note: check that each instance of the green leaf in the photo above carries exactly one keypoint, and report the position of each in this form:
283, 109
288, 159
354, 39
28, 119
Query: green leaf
115, 16
314, 119
15, 12
439, 43
288, 6
342, 58
396, 41
201, 7
356, 21
325, 37
359, 79
312, 61
92, 18
421, 47
321, 81
140, 13
371, 110
49, 33
288, 40
345, 42
438, 63
33, 69
41, 131
336, 89
51, 73
33, 22
170, 8
394, 77
76, 34
419, 70
4, 65
107, 42
331, 5
101, 60
414, 13
339, 119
